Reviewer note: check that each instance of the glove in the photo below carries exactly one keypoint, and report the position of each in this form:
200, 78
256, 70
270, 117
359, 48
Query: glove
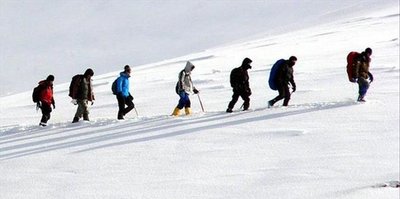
39, 104
54, 106
371, 77
130, 97
195, 91
92, 102
74, 102
294, 89
353, 79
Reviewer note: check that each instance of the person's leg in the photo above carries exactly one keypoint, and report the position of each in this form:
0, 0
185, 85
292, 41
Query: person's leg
232, 103
246, 103
121, 107
46, 110
363, 86
286, 95
281, 95
129, 104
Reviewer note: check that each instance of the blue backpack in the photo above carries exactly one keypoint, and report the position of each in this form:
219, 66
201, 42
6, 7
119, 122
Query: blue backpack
272, 75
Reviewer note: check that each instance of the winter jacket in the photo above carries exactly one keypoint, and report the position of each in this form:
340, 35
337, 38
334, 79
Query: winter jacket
239, 77
184, 80
123, 84
85, 89
46, 92
285, 74
361, 68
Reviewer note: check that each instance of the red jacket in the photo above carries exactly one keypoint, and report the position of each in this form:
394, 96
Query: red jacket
46, 92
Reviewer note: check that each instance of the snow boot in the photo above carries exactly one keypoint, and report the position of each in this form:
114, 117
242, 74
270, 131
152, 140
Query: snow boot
188, 111
176, 111
229, 110
360, 98
75, 120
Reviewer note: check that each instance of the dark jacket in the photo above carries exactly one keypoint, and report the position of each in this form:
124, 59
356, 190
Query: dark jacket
361, 63
239, 78
285, 74
85, 89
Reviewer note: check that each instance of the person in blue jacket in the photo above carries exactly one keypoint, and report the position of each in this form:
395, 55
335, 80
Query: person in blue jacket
124, 96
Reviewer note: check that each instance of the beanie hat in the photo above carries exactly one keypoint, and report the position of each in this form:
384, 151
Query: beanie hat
50, 78
89, 72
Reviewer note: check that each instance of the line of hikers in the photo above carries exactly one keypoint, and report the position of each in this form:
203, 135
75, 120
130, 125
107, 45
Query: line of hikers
281, 79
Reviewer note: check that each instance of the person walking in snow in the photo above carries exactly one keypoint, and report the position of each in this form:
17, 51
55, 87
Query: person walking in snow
362, 74
284, 77
184, 87
45, 98
82, 94
124, 96
239, 80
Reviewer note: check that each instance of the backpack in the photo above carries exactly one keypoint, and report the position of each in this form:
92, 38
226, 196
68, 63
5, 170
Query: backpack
350, 65
114, 87
36, 94
273, 74
74, 85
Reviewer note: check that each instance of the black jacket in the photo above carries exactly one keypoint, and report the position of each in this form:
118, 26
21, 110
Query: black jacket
285, 74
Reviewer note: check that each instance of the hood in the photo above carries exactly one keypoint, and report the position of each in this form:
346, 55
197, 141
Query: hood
189, 67
246, 63
124, 74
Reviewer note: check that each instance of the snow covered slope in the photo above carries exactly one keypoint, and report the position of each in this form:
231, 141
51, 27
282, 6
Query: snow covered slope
324, 145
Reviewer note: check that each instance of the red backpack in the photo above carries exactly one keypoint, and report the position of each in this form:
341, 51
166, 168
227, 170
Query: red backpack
350, 65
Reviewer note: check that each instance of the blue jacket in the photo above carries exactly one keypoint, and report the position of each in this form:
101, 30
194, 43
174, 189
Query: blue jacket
123, 84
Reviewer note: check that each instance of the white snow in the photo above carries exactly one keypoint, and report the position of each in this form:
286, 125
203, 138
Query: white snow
324, 145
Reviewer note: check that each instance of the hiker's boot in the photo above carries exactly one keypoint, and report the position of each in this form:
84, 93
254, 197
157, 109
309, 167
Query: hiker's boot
176, 111
75, 120
229, 110
188, 111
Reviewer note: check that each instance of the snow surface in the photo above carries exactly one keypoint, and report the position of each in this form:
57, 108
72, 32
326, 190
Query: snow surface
324, 145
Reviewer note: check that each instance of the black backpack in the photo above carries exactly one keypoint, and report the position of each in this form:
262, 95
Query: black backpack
114, 87
74, 85
36, 94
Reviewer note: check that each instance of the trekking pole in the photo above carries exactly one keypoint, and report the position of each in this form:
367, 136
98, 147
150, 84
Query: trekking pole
201, 104
137, 114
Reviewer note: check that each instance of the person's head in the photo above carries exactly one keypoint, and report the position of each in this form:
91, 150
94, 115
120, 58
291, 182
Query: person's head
50, 79
368, 51
127, 69
189, 66
292, 60
246, 63
88, 73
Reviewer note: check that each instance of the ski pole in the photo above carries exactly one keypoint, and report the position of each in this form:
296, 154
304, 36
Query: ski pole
201, 104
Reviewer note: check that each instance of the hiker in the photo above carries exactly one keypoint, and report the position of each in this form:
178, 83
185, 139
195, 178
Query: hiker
44, 98
81, 91
184, 87
124, 97
239, 80
362, 74
282, 79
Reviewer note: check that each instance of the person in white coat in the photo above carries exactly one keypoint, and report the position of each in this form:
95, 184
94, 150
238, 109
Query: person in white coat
184, 87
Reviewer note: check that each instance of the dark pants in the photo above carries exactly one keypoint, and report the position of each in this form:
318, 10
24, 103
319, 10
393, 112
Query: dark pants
184, 100
284, 93
245, 96
122, 101
46, 110
363, 86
